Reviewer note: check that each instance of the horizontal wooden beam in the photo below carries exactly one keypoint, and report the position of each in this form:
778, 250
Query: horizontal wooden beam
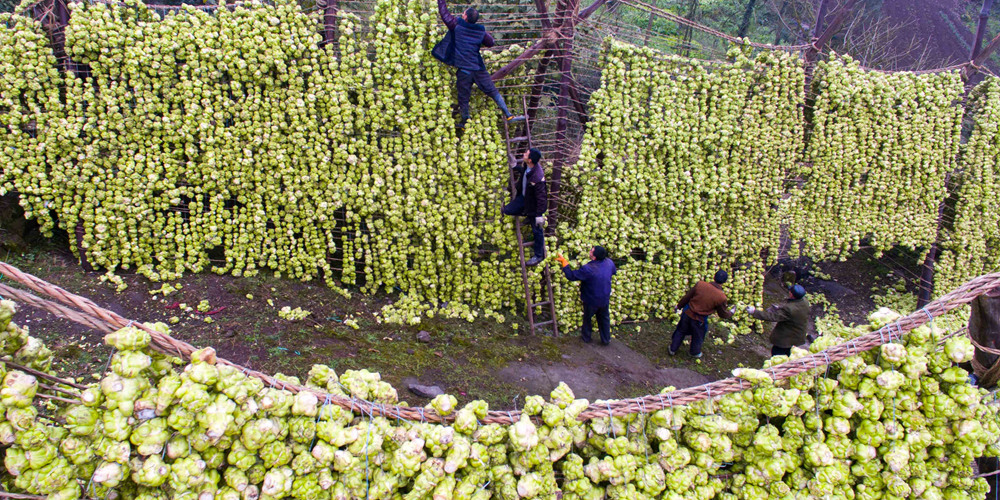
540, 45
988, 51
587, 11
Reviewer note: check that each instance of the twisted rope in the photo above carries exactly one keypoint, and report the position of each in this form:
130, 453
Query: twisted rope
646, 404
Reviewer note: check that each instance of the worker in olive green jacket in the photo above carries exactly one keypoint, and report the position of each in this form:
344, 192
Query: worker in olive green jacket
791, 318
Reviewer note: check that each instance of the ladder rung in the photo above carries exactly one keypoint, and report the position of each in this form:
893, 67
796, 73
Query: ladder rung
543, 323
527, 243
518, 139
540, 304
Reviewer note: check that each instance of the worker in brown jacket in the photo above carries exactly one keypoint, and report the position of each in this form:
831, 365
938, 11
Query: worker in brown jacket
695, 307
791, 320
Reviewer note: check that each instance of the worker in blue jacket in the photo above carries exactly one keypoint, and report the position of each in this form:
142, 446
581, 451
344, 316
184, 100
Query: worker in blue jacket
595, 291
460, 48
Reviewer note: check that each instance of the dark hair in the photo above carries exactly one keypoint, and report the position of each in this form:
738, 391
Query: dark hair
534, 155
600, 253
721, 277
471, 15
797, 291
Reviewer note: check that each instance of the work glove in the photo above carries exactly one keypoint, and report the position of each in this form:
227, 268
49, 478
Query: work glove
562, 261
751, 309
540, 221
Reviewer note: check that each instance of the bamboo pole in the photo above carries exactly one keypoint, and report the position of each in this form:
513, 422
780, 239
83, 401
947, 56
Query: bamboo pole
562, 122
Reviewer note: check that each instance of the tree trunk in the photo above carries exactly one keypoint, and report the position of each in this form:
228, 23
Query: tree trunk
688, 31
984, 15
745, 24
781, 26
984, 328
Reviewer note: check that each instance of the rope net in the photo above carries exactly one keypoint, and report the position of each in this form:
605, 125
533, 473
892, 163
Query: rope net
82, 310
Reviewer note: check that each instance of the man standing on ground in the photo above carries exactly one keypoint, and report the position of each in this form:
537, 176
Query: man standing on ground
791, 318
695, 307
595, 291
460, 48
531, 200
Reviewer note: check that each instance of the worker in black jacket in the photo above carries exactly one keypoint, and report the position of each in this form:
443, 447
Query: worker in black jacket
460, 48
531, 200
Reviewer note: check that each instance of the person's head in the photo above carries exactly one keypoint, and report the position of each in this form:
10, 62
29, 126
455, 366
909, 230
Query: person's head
532, 156
598, 253
471, 15
796, 292
721, 276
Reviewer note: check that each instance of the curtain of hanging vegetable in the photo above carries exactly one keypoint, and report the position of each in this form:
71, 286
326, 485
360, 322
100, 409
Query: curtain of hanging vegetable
878, 153
234, 130
681, 173
971, 240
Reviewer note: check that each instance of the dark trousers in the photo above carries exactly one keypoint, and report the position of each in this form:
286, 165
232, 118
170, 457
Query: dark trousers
687, 326
780, 351
465, 79
603, 323
516, 207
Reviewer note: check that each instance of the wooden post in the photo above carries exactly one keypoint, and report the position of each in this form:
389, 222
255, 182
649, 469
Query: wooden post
577, 99
781, 26
536, 87
689, 31
565, 67
927, 270
330, 22
745, 23
649, 29
819, 41
820, 15
984, 15
543, 14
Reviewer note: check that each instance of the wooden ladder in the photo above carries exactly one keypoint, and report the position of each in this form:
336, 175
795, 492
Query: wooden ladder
529, 303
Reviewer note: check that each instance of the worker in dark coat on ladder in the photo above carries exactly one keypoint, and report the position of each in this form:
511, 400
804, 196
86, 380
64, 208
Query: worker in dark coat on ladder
595, 291
695, 307
460, 48
531, 200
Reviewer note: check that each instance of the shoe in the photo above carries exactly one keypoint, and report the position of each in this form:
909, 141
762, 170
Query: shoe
515, 118
671, 352
534, 261
605, 344
696, 356
585, 341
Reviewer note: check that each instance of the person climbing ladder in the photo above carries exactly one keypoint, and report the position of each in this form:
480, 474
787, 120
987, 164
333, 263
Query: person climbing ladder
460, 48
531, 201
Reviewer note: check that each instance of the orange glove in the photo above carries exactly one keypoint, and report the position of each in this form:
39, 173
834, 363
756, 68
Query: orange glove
562, 261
